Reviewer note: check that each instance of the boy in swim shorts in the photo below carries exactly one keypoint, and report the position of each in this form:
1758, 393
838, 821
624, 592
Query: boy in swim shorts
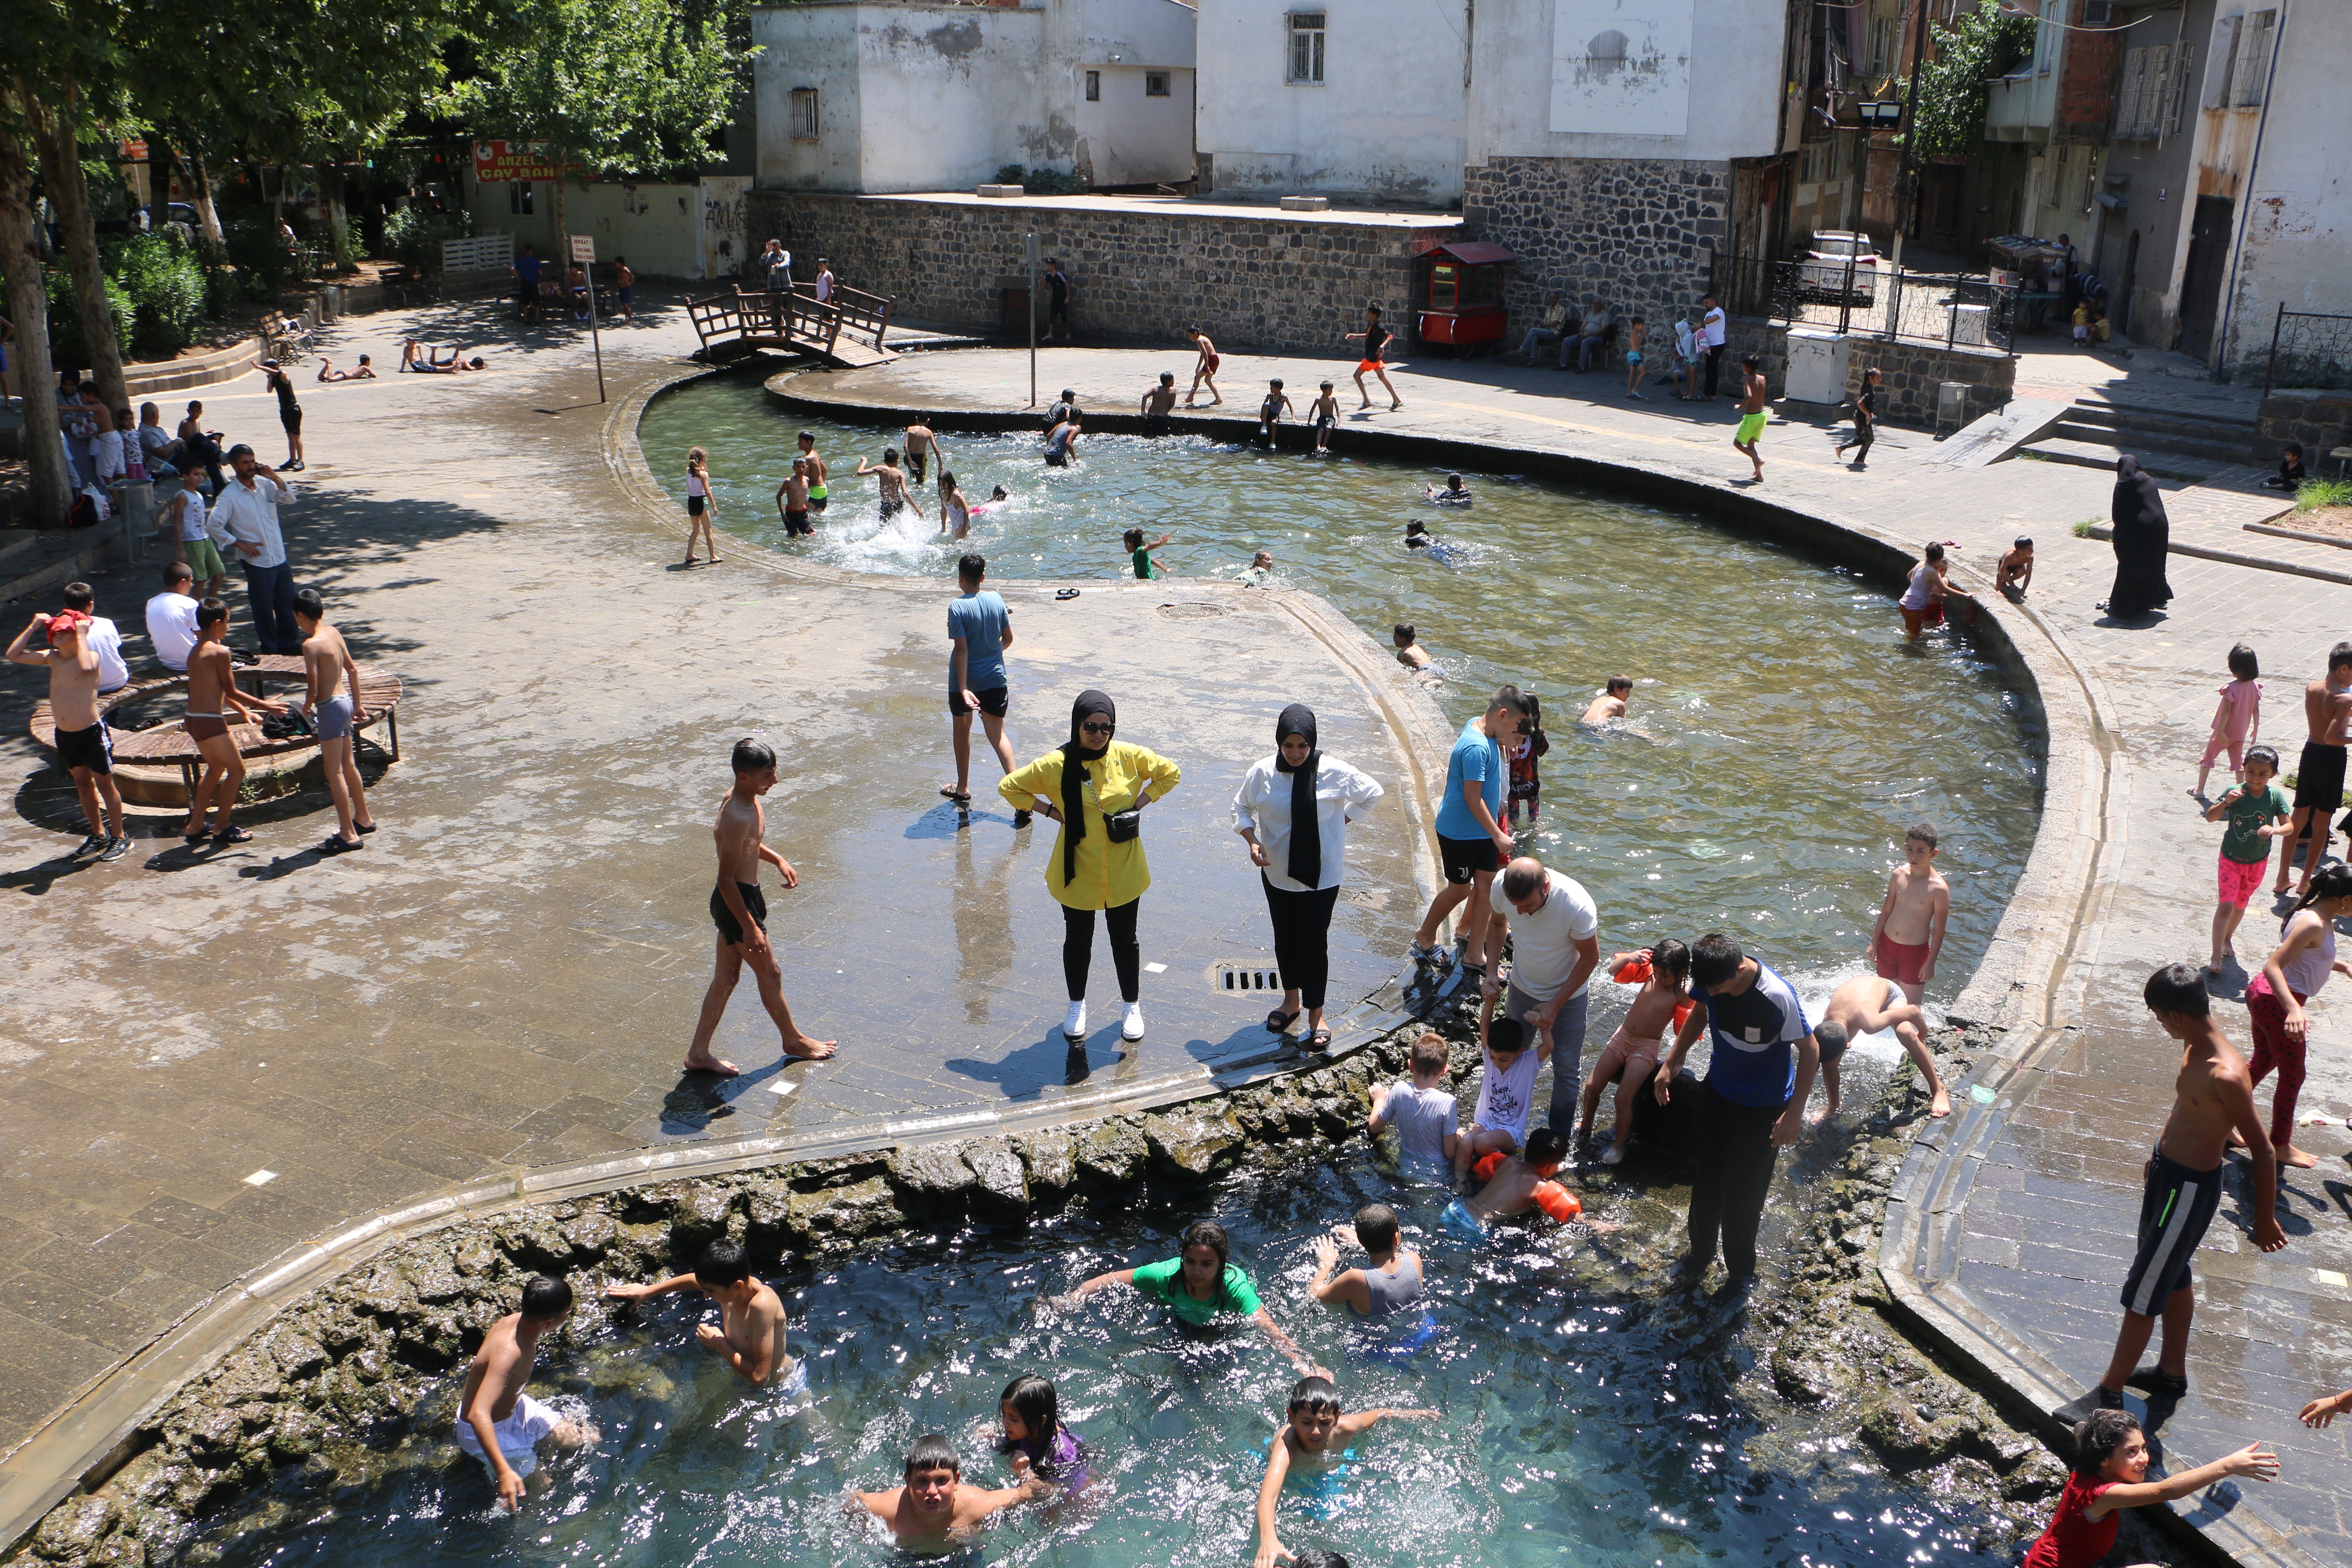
739, 911
750, 1328
1631, 1054
1204, 369
212, 696
1375, 361
1325, 412
498, 1422
793, 501
1609, 702
85, 745
1751, 411
936, 1504
1866, 1005
1637, 332
1909, 934
814, 471
1306, 1444
333, 699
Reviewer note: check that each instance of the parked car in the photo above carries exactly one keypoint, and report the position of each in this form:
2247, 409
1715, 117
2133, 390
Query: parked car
1824, 274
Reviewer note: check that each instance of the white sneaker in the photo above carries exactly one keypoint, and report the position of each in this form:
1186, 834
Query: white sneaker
1131, 1027
1614, 1154
1074, 1026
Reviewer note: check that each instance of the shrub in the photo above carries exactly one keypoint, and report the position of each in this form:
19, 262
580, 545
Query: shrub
259, 253
68, 348
158, 272
2317, 493
413, 235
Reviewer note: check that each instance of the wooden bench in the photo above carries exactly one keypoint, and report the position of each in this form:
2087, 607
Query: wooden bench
169, 742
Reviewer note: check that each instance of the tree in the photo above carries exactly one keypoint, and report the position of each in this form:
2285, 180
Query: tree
1975, 48
28, 308
612, 86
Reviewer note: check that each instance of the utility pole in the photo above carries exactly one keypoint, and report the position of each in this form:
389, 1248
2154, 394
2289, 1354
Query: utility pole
1905, 173
1029, 248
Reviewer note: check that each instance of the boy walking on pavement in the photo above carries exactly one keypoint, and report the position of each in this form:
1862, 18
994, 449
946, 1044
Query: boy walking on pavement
498, 1420
1909, 935
740, 913
980, 628
1752, 396
1376, 339
2319, 776
334, 700
84, 744
1865, 419
2213, 1095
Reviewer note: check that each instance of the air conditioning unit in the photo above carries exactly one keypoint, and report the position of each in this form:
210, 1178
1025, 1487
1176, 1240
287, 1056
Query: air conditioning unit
2098, 13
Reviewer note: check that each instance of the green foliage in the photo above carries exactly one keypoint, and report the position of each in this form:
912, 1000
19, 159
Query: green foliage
68, 348
159, 274
413, 235
259, 253
2082, 529
2317, 493
1975, 48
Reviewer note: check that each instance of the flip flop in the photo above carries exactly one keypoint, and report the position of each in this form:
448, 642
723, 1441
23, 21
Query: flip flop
1319, 1040
233, 836
961, 796
333, 845
1279, 1022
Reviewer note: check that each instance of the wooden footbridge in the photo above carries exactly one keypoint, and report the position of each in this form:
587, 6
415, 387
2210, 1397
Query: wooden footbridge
844, 331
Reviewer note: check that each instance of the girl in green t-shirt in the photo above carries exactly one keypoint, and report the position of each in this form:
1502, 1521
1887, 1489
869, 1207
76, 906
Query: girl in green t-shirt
1200, 1282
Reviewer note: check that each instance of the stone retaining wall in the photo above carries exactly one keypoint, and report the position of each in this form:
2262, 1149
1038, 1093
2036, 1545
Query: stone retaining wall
2321, 421
1282, 283
1911, 372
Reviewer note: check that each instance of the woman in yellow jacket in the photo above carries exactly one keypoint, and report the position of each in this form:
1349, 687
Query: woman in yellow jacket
1094, 786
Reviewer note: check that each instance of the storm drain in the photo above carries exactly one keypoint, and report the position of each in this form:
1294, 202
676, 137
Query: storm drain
1193, 612
1234, 979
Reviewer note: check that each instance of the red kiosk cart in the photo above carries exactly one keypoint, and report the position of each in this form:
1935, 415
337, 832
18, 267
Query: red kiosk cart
1462, 294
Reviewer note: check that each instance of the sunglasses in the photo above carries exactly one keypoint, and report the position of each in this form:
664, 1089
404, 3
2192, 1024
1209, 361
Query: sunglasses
1093, 728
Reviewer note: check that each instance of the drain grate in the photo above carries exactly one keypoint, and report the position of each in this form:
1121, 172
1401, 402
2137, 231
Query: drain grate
1235, 979
1193, 612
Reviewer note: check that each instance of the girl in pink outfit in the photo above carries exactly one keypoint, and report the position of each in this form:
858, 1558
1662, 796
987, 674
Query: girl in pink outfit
2236, 720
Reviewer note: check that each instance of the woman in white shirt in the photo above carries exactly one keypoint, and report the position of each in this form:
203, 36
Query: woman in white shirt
1293, 809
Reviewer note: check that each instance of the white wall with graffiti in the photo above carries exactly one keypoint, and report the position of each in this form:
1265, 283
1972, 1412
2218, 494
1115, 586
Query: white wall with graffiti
671, 231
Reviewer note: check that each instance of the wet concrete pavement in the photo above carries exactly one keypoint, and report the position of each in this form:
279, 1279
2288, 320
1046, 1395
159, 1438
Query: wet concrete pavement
507, 975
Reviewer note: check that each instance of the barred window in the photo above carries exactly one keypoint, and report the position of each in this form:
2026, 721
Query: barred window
805, 114
2253, 68
1155, 84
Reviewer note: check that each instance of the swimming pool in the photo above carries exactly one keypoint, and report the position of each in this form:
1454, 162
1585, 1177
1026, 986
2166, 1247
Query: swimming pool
1782, 736
1586, 1415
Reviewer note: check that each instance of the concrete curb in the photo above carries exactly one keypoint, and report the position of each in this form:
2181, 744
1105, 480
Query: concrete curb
2259, 563
180, 374
2297, 535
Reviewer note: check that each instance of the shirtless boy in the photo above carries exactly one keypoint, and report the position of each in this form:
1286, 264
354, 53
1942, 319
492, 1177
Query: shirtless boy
84, 744
750, 1329
887, 474
1512, 1188
1325, 413
498, 1422
1751, 412
936, 1504
920, 445
1865, 1005
1270, 411
1204, 369
212, 694
2014, 574
1609, 702
1312, 1440
1156, 403
2319, 778
366, 371
1409, 652
2213, 1095
334, 701
814, 470
740, 913
1909, 935
793, 501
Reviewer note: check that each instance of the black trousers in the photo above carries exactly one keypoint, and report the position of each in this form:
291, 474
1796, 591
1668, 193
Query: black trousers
1302, 938
1078, 949
1714, 366
1735, 1158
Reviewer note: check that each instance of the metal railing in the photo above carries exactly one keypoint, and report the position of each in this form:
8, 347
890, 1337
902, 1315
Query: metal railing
1955, 310
2308, 349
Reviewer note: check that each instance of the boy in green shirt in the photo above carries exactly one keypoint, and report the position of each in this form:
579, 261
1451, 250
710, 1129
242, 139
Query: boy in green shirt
2258, 811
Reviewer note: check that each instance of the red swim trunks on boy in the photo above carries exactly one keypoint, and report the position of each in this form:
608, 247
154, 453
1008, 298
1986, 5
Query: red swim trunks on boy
1903, 962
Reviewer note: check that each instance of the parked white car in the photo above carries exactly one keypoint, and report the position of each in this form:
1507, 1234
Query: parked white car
1823, 272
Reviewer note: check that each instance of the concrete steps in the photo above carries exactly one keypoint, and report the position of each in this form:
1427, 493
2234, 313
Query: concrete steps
2080, 454
2171, 442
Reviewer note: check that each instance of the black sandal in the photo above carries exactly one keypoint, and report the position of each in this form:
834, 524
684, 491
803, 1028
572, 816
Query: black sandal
1279, 1022
232, 835
1319, 1040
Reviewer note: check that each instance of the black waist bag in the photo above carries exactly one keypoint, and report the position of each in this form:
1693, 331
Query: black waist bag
1123, 827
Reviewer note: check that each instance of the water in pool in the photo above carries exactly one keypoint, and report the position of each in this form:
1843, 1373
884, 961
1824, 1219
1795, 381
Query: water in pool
1583, 1416
1782, 736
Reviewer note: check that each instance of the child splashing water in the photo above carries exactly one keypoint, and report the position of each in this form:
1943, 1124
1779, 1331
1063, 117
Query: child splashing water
1311, 1445
1526, 785
1031, 1412
2236, 720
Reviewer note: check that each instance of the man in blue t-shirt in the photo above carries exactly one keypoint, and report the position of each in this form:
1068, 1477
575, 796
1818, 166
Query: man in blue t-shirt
1761, 1058
1471, 844
980, 626
526, 270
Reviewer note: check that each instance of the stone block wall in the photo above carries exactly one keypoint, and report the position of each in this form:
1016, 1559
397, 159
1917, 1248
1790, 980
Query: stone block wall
1282, 283
2321, 421
1910, 372
1641, 233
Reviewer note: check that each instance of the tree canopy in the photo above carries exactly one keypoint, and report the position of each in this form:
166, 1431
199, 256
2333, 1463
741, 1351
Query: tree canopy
1975, 48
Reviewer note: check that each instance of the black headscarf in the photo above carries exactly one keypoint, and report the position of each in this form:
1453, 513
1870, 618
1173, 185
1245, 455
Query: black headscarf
2143, 535
1306, 828
1076, 754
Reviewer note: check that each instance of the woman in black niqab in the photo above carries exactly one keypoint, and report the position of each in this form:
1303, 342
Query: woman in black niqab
2143, 536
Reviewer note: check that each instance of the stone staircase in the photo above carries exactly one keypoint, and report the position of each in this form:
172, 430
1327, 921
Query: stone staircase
2172, 440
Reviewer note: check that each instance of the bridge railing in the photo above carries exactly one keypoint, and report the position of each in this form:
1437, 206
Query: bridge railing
798, 318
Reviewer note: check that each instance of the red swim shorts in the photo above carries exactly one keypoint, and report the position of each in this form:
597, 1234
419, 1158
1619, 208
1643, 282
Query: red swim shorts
1903, 962
1364, 365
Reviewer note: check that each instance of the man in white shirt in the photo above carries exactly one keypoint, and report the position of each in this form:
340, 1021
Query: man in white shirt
1554, 948
247, 507
1712, 336
172, 618
103, 638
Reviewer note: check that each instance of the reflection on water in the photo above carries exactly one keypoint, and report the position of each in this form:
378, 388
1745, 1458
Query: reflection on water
1780, 737
1584, 1417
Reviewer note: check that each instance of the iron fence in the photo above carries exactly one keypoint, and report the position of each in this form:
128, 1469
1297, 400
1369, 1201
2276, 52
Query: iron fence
1955, 310
2308, 349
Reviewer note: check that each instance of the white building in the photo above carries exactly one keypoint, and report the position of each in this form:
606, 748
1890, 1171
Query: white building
877, 98
1356, 98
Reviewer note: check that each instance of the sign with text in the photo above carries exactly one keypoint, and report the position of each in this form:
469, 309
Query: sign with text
583, 247
498, 163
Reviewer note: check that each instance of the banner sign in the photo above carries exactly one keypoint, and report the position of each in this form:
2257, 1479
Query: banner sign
497, 162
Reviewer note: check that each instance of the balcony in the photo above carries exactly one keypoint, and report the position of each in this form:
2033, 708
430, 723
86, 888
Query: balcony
2022, 108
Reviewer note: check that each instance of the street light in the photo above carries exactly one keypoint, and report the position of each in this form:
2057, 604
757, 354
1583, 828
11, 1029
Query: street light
1880, 114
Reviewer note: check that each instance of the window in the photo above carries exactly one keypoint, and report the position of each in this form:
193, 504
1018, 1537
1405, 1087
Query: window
2045, 37
2225, 57
1155, 84
805, 114
1093, 86
1306, 47
519, 198
2176, 101
2253, 60
1882, 46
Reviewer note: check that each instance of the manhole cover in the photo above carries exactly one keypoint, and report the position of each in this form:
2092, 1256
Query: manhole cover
1235, 979
1193, 611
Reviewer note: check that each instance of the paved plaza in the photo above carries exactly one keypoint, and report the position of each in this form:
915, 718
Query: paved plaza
505, 976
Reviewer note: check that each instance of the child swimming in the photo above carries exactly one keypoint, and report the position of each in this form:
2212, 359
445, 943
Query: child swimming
1609, 702
1304, 1444
936, 1504
1455, 492
1031, 1412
